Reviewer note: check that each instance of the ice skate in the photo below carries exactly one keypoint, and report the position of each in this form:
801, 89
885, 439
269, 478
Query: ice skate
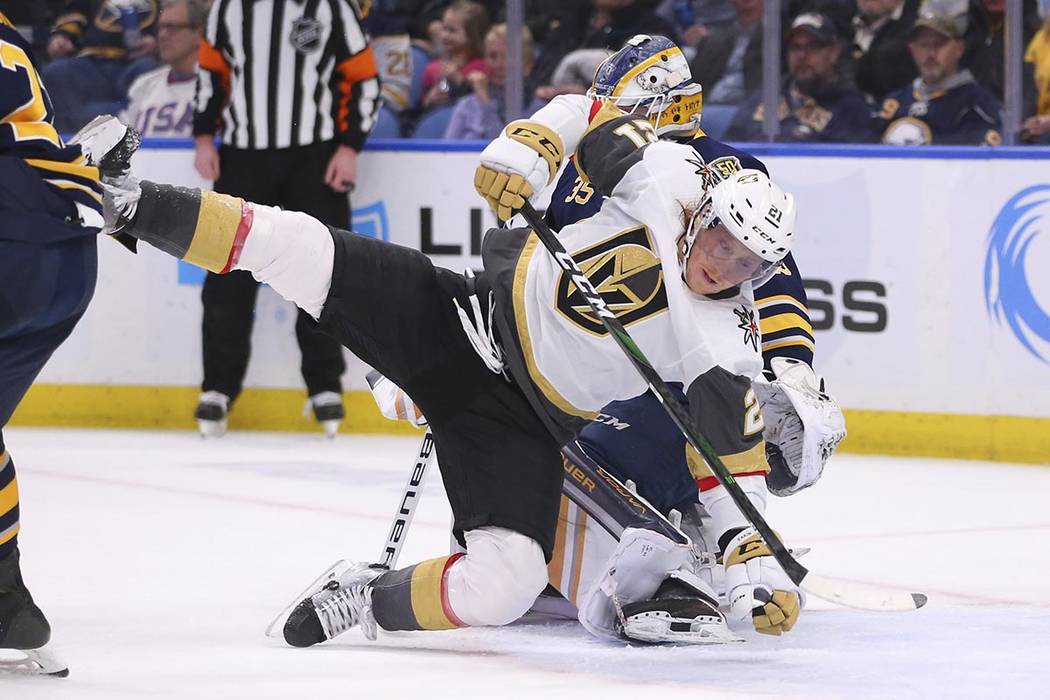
328, 409
676, 614
340, 604
211, 413
24, 631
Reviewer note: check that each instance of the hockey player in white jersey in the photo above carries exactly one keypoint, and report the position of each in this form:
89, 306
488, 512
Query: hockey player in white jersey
515, 361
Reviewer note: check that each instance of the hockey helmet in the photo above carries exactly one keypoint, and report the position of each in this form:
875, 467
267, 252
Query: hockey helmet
650, 75
753, 210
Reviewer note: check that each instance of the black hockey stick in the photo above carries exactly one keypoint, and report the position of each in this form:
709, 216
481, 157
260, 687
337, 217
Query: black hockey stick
852, 594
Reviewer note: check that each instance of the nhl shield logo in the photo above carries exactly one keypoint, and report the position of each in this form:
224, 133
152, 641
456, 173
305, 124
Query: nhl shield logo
306, 35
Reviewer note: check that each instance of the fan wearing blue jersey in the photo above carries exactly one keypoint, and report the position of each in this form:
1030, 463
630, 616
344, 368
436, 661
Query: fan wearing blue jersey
50, 215
635, 440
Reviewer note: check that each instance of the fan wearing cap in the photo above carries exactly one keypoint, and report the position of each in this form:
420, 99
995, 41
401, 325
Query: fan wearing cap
945, 104
816, 105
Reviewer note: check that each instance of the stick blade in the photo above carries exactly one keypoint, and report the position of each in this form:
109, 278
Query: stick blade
863, 596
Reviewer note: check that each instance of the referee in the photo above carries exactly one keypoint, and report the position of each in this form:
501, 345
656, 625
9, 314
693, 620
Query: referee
290, 89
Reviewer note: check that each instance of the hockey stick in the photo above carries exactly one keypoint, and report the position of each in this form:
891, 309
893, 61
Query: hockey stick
849, 593
394, 541
403, 517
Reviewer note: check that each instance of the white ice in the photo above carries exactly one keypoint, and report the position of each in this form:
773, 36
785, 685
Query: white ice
159, 559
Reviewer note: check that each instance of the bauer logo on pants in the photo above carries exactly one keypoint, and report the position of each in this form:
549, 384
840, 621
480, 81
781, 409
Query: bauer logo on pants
1019, 247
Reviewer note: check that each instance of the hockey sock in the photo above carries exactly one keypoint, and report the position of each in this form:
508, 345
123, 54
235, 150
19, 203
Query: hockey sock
8, 506
204, 228
416, 598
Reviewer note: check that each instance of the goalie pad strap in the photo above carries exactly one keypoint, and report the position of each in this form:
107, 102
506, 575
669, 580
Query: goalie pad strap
605, 499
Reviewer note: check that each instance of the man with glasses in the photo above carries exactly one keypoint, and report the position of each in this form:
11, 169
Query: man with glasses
160, 102
815, 103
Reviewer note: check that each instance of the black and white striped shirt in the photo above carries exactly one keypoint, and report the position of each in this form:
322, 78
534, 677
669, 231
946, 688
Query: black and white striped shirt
282, 73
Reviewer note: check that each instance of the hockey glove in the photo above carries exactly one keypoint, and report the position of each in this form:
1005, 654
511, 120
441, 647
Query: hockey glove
804, 425
520, 162
757, 588
393, 402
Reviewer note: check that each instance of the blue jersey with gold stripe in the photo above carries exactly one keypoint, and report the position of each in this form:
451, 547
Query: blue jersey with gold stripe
781, 302
27, 132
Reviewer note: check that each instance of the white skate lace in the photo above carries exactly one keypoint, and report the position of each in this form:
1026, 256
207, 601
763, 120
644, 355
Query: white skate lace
344, 609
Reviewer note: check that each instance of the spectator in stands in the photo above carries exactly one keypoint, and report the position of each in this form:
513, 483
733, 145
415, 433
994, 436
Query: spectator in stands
728, 63
574, 73
985, 41
160, 102
816, 103
694, 19
1037, 127
32, 19
99, 47
944, 105
464, 25
481, 115
387, 25
603, 24
880, 45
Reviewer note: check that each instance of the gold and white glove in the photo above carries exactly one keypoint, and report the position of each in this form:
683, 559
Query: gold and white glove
757, 588
393, 402
520, 162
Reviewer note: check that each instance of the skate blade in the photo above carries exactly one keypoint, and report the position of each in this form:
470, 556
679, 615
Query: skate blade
331, 428
657, 630
211, 428
33, 662
276, 626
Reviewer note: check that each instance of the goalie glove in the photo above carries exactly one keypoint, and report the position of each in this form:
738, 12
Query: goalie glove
804, 425
757, 588
520, 162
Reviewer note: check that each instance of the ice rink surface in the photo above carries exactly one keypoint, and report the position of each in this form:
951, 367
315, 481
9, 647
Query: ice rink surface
160, 558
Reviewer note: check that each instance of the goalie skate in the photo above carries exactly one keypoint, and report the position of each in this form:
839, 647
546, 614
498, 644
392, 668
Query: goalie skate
679, 613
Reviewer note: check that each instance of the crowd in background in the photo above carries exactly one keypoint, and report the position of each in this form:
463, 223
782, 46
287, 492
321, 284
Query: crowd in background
892, 71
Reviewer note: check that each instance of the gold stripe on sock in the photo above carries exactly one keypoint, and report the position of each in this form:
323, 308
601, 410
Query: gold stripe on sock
217, 223
427, 604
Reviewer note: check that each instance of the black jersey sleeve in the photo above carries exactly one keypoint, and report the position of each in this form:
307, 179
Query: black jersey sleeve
614, 143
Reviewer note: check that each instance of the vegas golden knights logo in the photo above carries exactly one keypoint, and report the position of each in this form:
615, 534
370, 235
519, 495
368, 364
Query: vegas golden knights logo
626, 270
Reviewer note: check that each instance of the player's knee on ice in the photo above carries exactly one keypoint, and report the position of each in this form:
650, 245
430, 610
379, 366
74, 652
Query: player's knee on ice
499, 579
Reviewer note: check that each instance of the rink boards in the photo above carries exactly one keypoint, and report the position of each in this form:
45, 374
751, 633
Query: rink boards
927, 273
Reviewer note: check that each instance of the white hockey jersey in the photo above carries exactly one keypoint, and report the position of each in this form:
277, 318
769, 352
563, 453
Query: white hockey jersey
629, 252
160, 103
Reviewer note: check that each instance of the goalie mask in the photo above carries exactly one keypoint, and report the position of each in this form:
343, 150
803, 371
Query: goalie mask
650, 76
744, 226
